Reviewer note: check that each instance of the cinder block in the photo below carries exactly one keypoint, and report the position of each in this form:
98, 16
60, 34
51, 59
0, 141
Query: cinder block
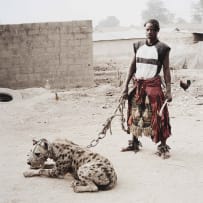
31, 53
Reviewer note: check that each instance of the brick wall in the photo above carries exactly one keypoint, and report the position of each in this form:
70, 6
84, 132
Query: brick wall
61, 52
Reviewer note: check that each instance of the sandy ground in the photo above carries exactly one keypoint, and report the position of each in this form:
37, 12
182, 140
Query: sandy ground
78, 115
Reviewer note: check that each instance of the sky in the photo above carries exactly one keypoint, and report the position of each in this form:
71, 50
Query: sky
127, 11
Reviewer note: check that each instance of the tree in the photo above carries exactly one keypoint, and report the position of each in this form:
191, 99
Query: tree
155, 9
110, 21
201, 3
197, 15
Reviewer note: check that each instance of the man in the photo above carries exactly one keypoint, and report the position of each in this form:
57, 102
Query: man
147, 98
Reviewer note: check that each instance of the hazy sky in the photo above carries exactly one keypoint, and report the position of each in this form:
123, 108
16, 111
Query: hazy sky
127, 11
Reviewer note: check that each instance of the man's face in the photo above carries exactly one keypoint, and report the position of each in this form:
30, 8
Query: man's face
151, 33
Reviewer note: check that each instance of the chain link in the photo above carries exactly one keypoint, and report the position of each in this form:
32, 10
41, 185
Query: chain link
107, 125
93, 143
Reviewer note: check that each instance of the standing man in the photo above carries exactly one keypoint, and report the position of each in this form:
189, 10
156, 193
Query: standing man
147, 97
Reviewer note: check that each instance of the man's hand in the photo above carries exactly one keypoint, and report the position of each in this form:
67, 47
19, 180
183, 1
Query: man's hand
125, 93
168, 96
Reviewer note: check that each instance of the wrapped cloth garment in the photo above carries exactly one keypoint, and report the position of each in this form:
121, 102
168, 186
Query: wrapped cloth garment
144, 102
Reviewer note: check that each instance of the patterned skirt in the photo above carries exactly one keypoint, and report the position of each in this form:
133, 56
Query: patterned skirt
139, 117
144, 103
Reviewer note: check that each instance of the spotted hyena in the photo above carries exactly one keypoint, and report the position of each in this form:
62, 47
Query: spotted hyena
92, 172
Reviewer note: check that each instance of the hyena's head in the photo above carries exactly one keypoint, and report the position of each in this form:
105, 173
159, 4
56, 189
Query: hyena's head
39, 154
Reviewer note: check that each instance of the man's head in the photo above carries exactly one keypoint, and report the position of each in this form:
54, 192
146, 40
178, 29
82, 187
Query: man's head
152, 29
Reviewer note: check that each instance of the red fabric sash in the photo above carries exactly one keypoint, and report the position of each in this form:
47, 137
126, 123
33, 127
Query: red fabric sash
152, 88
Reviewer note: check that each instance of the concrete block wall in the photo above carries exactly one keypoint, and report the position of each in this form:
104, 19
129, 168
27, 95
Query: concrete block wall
60, 52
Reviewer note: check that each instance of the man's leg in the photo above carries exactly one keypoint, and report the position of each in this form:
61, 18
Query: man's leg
163, 150
133, 145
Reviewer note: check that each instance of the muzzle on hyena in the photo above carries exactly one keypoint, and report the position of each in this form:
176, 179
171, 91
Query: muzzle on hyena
92, 172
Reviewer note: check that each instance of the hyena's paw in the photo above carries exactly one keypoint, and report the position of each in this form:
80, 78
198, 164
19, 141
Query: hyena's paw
80, 186
30, 173
75, 183
85, 188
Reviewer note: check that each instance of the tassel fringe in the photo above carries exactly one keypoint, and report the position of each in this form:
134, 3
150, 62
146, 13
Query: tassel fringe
139, 131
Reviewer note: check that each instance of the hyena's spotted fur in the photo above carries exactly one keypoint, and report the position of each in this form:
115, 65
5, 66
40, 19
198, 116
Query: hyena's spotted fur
92, 172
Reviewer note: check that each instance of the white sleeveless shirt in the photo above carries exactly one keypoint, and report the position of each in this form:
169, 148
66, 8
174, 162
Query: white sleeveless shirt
149, 59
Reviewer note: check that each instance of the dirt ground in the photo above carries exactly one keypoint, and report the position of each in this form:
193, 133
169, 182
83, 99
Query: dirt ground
78, 115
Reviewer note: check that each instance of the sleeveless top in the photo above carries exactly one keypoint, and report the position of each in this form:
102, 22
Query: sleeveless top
149, 58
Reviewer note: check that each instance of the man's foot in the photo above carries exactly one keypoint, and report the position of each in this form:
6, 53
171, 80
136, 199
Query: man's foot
132, 146
163, 151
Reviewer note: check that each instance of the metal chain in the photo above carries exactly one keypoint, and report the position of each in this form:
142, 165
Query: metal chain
107, 125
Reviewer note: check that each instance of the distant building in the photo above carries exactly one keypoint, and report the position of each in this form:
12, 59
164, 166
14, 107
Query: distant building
197, 36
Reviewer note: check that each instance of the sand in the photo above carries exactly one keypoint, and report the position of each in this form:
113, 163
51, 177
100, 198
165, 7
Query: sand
78, 115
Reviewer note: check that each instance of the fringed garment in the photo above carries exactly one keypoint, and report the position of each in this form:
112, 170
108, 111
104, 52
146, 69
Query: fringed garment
144, 103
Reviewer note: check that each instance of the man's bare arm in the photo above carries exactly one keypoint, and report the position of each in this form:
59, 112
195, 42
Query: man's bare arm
131, 71
167, 77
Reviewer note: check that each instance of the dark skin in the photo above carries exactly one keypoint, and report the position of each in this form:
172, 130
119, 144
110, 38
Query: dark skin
151, 37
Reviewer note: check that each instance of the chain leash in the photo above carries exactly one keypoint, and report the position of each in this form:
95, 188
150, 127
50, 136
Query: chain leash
107, 125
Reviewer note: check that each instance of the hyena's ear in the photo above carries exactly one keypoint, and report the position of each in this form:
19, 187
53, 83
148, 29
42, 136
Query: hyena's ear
45, 144
34, 142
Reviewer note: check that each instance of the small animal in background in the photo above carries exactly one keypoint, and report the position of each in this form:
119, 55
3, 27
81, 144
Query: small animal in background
184, 85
